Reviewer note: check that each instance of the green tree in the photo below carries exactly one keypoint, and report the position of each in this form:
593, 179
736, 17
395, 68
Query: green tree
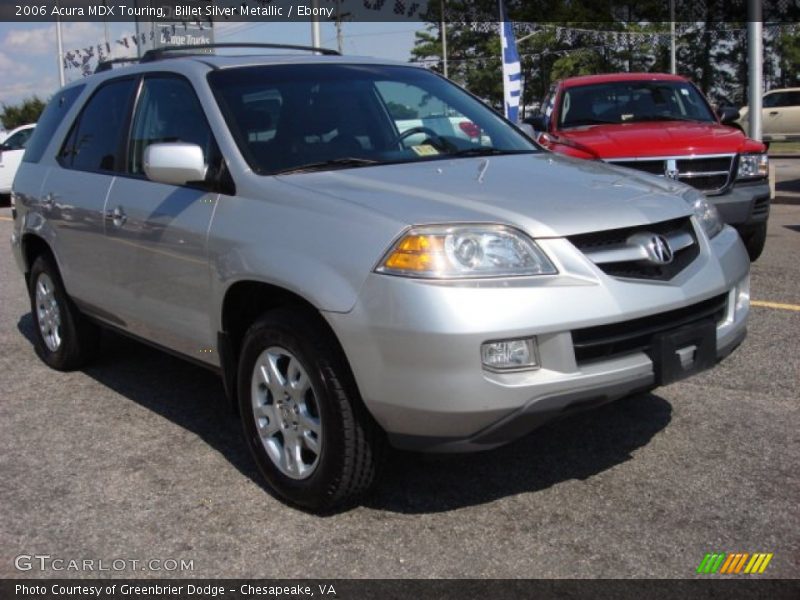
401, 111
788, 47
27, 111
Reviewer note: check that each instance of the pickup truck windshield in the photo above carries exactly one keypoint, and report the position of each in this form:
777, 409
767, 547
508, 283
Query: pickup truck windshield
295, 118
630, 102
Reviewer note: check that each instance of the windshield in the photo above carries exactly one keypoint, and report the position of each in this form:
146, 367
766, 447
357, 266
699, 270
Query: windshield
632, 101
323, 116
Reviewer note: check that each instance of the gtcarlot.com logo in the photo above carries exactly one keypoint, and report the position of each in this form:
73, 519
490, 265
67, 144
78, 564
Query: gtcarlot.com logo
734, 563
46, 562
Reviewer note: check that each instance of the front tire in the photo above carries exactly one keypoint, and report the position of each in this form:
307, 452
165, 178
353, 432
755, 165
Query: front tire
304, 422
754, 240
63, 338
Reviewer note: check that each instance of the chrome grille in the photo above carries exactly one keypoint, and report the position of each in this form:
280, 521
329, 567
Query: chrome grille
711, 173
616, 252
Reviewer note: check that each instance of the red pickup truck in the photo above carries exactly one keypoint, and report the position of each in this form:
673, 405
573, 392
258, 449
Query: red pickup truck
662, 124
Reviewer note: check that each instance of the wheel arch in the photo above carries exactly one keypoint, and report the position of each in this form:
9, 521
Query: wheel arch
34, 246
242, 304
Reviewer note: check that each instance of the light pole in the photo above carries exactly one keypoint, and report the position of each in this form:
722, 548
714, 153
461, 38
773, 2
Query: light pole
60, 43
673, 64
755, 56
315, 36
444, 41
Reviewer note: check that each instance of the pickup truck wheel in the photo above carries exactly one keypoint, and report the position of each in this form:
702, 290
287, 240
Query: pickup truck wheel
311, 437
63, 338
754, 241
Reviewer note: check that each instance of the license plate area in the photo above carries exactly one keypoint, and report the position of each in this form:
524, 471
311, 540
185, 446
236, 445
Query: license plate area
682, 352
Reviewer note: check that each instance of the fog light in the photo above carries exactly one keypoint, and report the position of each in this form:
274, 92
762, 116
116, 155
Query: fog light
510, 355
743, 295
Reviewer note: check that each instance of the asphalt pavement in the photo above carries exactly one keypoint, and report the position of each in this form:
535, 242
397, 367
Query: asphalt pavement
136, 458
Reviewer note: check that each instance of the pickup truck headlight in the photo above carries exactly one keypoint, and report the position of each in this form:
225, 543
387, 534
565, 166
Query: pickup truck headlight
465, 251
706, 213
753, 166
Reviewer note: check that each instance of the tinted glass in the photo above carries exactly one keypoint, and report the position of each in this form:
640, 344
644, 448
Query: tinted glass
294, 117
94, 143
632, 101
793, 99
49, 121
776, 99
167, 111
19, 140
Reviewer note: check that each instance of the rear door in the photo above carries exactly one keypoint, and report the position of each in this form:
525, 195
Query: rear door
789, 124
74, 193
780, 116
157, 233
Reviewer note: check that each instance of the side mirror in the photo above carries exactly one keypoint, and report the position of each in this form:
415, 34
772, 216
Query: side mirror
728, 115
538, 122
174, 163
4, 148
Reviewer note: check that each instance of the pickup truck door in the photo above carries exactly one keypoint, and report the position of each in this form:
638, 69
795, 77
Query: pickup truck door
158, 233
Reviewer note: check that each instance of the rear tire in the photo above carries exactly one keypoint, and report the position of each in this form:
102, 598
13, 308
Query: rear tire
304, 422
754, 240
63, 338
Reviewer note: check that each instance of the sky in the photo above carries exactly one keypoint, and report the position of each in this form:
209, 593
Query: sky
28, 63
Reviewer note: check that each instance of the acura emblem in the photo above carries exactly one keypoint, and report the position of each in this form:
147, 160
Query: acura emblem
671, 169
656, 248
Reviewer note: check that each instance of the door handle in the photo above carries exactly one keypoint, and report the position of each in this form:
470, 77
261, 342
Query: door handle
773, 112
117, 216
48, 200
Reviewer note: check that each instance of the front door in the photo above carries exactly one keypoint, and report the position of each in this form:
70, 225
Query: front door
158, 233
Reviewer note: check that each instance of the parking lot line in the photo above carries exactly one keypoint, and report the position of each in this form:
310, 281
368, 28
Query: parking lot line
778, 305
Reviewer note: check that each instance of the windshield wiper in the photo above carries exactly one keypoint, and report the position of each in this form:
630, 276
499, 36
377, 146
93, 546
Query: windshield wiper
335, 163
662, 118
486, 151
582, 122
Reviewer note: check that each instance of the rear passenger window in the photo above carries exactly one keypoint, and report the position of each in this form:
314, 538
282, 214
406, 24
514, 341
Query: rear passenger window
95, 140
47, 124
168, 111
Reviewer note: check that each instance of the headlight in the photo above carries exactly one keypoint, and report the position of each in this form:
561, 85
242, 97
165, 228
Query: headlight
706, 213
464, 251
753, 166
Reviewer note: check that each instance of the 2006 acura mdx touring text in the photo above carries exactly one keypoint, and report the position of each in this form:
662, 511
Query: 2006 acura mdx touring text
366, 253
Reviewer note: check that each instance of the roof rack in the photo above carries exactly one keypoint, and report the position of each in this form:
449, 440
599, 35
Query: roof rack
107, 65
176, 51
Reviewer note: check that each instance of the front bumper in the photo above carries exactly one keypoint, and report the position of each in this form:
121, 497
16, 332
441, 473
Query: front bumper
414, 345
744, 203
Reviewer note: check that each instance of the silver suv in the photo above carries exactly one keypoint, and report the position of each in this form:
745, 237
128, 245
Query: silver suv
365, 253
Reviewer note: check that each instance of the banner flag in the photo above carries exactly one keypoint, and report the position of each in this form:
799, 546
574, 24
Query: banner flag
512, 82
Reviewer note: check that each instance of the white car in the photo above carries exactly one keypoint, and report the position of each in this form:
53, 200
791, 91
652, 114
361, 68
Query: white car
11, 151
780, 115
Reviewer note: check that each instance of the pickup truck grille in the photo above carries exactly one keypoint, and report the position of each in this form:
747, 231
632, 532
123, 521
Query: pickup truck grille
625, 337
616, 252
709, 174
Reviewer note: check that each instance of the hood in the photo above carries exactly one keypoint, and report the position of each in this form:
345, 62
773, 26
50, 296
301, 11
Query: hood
544, 194
659, 138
